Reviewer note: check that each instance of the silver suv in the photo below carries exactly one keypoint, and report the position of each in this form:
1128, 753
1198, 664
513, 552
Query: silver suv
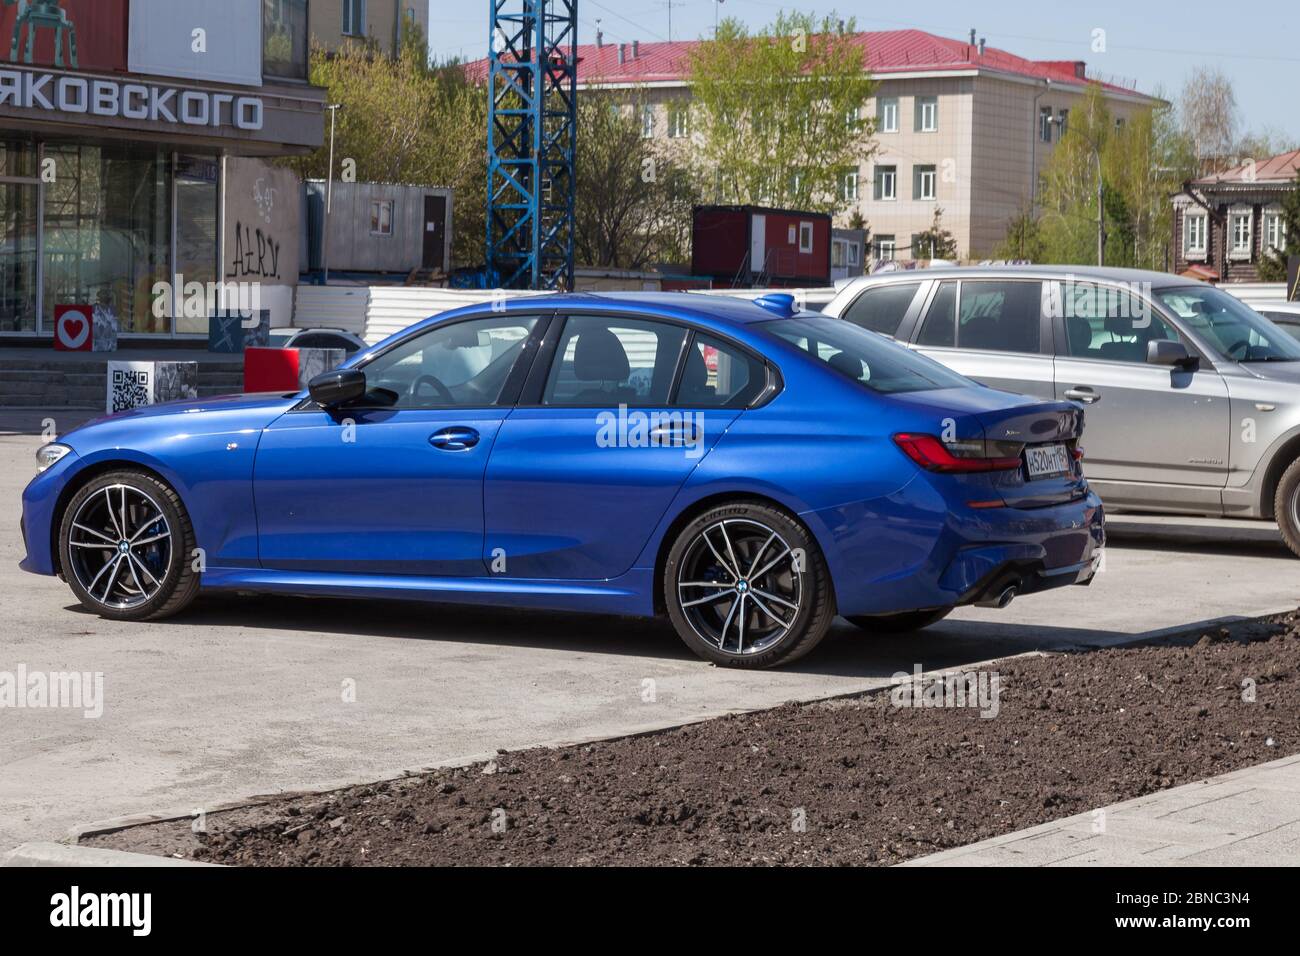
1193, 399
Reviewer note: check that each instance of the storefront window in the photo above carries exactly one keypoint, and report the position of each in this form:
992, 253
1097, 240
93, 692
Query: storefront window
19, 226
196, 232
108, 231
284, 38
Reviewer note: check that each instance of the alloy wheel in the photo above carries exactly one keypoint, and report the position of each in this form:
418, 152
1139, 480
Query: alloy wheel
738, 586
120, 547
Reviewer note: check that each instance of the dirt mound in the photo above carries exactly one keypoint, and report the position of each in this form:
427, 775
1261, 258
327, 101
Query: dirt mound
871, 780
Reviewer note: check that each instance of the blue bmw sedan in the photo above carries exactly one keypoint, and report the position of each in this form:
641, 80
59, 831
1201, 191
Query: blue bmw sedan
746, 469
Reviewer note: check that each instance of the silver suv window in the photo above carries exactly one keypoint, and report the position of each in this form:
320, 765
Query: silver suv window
1109, 324
1232, 329
991, 315
883, 307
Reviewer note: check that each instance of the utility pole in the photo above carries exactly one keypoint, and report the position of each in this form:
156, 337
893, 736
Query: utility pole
674, 3
329, 197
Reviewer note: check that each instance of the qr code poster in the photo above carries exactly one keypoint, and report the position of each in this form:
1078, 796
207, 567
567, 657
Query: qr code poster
130, 385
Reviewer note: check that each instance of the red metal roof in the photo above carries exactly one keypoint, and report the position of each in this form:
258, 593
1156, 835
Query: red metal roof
890, 51
1276, 169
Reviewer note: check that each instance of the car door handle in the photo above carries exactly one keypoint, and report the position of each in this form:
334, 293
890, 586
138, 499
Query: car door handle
454, 439
1082, 394
676, 433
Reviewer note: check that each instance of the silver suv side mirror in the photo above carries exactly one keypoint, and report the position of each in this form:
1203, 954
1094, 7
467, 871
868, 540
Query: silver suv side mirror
1166, 352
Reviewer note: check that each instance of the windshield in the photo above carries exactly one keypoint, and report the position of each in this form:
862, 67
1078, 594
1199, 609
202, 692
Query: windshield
869, 359
1231, 328
279, 340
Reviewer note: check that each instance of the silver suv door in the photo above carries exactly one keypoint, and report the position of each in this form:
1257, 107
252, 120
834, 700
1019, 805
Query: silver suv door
1148, 427
992, 330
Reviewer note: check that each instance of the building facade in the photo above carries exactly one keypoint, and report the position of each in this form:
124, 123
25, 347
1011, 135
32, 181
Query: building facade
337, 22
128, 155
1223, 224
960, 126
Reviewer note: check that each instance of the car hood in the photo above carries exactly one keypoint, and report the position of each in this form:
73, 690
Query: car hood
255, 410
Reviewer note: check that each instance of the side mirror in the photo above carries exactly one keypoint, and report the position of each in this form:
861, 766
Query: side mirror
337, 387
1166, 352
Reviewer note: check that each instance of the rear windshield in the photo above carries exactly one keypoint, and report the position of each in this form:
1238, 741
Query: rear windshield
867, 358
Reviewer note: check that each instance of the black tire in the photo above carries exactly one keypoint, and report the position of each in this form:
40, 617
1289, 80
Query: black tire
899, 623
159, 578
1286, 506
788, 562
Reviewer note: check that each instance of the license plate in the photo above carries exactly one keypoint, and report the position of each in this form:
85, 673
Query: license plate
1045, 461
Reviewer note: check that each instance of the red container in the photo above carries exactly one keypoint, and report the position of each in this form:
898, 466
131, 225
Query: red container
755, 246
270, 370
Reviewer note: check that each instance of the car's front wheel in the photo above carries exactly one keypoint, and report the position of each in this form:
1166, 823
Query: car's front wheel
1286, 506
125, 545
746, 586
899, 623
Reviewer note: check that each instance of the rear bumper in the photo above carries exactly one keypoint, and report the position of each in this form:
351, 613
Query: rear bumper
937, 556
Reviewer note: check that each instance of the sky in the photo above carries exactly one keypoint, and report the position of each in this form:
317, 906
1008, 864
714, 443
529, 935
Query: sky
1151, 43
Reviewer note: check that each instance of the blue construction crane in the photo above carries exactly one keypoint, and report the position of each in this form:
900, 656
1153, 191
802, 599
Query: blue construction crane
532, 135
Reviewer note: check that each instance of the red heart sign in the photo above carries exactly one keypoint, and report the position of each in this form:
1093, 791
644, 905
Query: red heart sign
72, 328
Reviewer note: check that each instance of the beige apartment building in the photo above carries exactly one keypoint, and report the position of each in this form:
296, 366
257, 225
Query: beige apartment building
335, 22
960, 126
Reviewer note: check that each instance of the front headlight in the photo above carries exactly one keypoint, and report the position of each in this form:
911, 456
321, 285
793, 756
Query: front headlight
49, 455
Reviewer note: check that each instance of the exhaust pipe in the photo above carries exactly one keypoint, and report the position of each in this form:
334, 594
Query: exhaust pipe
1002, 598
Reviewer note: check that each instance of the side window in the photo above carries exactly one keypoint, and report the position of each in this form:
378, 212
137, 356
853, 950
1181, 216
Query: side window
613, 360
1109, 324
1000, 316
462, 364
939, 330
881, 309
719, 375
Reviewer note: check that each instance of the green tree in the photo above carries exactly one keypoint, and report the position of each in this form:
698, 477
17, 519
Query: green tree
936, 242
405, 121
1273, 264
1141, 163
779, 113
1023, 240
632, 198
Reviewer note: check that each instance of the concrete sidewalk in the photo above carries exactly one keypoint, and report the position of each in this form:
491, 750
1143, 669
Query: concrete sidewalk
1249, 817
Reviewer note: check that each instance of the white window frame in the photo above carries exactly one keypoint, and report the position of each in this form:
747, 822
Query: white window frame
1045, 124
932, 173
929, 107
888, 176
805, 229
853, 253
849, 186
887, 248
1275, 236
679, 121
1199, 249
354, 18
377, 207
647, 121
1238, 215
888, 109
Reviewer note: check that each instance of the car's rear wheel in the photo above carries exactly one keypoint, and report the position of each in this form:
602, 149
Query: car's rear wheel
1286, 506
746, 586
125, 544
899, 623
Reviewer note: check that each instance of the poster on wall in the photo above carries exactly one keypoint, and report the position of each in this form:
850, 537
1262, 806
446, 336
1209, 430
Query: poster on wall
74, 327
198, 39
85, 35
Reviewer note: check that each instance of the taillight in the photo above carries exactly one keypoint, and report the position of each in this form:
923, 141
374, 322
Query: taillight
960, 455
